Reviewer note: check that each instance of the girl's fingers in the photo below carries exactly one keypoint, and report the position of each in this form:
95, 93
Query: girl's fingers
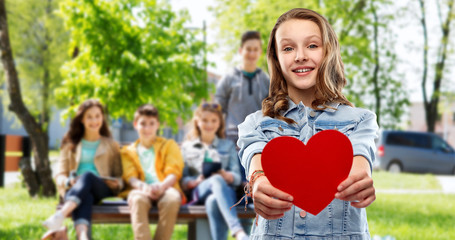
359, 196
262, 184
270, 206
351, 180
354, 188
269, 202
271, 211
365, 203
267, 215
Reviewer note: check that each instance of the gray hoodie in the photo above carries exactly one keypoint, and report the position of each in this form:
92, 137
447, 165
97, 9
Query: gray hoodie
238, 98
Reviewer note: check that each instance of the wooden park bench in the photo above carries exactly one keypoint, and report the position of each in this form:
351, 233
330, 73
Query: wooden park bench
117, 212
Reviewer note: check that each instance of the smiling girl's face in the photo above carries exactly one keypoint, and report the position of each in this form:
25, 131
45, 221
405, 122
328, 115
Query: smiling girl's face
93, 120
208, 123
300, 52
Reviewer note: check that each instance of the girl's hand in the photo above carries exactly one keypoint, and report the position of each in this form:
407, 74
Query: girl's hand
270, 202
193, 183
358, 187
227, 176
112, 184
73, 181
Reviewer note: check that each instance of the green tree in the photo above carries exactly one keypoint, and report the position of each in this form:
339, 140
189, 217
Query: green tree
38, 41
40, 46
127, 53
369, 70
431, 103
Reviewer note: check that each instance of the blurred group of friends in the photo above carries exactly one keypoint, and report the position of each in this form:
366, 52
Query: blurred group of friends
155, 171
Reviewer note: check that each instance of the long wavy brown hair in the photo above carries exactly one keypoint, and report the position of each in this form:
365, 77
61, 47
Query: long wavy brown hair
330, 78
76, 131
195, 132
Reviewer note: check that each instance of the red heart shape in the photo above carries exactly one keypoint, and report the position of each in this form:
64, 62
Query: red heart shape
311, 173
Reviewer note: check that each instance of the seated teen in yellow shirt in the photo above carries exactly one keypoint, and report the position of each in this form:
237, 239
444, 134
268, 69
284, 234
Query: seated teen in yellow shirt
152, 168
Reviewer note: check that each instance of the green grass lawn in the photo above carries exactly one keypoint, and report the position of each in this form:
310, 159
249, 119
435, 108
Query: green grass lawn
54, 153
21, 218
403, 216
414, 216
385, 180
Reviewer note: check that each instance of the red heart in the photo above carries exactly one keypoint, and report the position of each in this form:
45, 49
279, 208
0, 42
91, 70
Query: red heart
311, 173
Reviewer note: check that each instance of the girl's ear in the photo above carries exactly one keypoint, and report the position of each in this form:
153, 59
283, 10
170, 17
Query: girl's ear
135, 125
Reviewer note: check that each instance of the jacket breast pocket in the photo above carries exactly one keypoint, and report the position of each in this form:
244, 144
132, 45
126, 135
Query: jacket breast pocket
273, 128
344, 127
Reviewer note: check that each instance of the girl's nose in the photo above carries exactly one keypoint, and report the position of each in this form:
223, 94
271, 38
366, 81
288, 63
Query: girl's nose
300, 56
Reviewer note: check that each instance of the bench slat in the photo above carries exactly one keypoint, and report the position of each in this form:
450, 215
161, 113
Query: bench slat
118, 212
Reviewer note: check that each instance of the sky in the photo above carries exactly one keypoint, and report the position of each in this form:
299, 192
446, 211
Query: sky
406, 28
199, 12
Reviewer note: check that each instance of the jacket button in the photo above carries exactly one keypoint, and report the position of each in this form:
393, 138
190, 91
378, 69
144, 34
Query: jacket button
312, 114
280, 128
302, 214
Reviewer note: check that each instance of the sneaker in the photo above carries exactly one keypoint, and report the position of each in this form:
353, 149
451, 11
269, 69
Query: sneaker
61, 234
54, 222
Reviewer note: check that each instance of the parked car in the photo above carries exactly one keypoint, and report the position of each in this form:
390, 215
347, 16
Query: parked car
419, 152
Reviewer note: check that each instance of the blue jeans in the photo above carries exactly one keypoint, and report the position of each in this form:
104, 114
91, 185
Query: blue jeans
88, 190
219, 197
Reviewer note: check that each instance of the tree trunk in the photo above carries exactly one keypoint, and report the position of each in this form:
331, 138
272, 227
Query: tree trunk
38, 137
377, 94
426, 104
431, 107
30, 176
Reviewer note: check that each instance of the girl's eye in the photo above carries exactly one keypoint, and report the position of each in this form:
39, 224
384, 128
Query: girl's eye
287, 49
313, 46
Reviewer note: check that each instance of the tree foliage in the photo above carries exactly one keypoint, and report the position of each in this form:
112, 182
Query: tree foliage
354, 24
40, 43
127, 53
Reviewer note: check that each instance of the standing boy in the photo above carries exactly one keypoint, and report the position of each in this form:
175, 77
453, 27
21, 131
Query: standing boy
152, 168
241, 91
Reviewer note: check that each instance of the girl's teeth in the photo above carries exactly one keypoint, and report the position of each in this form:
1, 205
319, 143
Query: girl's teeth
303, 70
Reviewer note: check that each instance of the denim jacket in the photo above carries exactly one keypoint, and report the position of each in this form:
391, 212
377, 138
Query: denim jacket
221, 150
339, 220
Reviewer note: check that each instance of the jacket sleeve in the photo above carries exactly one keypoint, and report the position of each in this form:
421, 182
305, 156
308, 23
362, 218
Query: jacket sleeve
117, 165
234, 165
63, 167
173, 160
363, 136
117, 161
251, 140
223, 92
129, 168
186, 177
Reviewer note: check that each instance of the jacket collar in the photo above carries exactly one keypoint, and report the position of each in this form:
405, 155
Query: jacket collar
100, 150
330, 107
159, 141
197, 143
